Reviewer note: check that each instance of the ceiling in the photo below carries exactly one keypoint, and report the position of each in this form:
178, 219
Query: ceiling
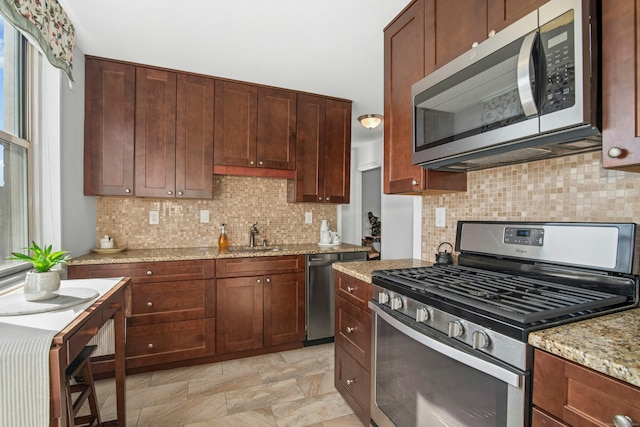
328, 47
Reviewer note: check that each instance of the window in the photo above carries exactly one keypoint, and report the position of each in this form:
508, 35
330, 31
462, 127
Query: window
14, 149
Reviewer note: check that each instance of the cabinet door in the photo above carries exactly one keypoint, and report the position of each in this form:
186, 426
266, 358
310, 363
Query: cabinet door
239, 314
337, 151
459, 24
194, 137
309, 149
276, 147
155, 141
109, 128
502, 13
284, 301
620, 85
235, 124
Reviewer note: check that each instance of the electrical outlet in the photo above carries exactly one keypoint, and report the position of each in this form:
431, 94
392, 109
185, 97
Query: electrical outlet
308, 217
204, 216
440, 217
154, 217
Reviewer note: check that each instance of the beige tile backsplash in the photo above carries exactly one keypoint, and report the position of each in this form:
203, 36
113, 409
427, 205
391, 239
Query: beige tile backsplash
573, 188
237, 201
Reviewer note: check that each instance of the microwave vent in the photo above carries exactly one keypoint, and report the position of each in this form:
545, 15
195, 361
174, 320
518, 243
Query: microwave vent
510, 157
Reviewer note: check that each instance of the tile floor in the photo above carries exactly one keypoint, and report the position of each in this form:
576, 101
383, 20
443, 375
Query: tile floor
287, 389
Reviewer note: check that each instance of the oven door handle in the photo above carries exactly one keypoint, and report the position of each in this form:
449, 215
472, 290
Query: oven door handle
473, 362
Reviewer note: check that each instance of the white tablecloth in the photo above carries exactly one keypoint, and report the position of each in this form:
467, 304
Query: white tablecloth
25, 342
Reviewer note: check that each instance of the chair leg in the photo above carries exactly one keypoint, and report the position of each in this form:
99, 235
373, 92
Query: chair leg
80, 371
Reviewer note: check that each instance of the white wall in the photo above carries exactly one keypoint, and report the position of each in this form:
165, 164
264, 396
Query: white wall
78, 221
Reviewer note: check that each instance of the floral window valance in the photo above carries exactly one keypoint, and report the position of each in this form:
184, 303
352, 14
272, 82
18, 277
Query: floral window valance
48, 25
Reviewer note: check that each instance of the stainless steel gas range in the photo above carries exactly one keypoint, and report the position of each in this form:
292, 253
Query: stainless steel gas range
450, 341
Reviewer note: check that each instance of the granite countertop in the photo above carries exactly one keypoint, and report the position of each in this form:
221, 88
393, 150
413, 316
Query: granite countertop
609, 344
186, 254
362, 269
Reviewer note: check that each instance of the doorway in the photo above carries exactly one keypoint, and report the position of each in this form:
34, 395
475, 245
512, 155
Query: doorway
371, 203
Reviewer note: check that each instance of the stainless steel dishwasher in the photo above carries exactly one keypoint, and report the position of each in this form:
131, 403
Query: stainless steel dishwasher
320, 294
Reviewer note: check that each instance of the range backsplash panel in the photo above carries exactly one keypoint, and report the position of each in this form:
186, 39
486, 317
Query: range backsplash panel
237, 201
572, 188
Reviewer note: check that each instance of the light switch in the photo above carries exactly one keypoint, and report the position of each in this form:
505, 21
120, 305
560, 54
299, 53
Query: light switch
440, 217
204, 216
154, 217
308, 217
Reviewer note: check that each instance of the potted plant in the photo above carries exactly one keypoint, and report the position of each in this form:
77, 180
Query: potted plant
41, 283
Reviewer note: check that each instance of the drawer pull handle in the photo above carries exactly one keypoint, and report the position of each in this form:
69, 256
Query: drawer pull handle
350, 289
350, 329
622, 421
349, 382
149, 304
149, 272
149, 345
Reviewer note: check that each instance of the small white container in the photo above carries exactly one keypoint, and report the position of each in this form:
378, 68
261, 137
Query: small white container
106, 242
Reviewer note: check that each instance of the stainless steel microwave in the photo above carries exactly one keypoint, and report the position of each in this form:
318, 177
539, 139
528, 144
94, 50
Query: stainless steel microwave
530, 92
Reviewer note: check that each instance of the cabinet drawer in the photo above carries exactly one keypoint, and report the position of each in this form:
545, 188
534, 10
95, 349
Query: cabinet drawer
169, 342
580, 396
146, 272
354, 384
353, 331
353, 290
240, 267
82, 336
541, 419
171, 301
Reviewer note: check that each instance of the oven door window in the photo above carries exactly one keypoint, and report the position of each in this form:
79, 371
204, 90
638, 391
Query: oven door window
416, 385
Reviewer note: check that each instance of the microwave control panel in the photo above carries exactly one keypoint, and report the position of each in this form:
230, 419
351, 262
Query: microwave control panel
558, 47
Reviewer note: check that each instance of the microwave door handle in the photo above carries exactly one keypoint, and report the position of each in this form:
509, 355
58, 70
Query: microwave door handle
524, 75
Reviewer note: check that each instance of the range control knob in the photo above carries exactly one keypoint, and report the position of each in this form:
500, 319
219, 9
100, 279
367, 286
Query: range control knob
422, 315
396, 303
383, 297
455, 329
480, 340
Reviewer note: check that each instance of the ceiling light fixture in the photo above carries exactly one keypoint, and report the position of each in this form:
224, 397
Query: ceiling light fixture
370, 121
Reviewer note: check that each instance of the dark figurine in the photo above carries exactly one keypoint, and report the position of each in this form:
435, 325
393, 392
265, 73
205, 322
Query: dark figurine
375, 224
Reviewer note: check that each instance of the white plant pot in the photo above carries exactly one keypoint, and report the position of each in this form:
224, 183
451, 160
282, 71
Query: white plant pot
41, 286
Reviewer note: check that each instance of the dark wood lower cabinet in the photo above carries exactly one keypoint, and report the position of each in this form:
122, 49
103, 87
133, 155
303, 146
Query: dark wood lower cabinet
567, 394
353, 343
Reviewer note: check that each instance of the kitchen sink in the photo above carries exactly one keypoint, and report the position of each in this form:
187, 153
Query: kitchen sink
248, 249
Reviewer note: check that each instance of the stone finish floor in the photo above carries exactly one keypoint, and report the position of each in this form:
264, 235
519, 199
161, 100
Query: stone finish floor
286, 389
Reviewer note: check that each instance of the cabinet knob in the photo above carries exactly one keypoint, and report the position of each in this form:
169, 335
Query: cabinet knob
258, 280
127, 190
268, 280
615, 152
319, 198
149, 345
492, 33
350, 289
351, 381
327, 199
252, 162
170, 192
622, 421
350, 329
180, 193
414, 182
149, 304
261, 163
475, 44
149, 272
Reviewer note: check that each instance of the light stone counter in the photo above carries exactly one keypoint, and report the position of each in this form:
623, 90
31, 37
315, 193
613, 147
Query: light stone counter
186, 254
362, 269
609, 344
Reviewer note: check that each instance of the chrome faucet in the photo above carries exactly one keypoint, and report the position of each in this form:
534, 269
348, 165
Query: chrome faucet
252, 235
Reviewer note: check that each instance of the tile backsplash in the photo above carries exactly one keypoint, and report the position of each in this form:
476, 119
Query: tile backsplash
237, 201
573, 188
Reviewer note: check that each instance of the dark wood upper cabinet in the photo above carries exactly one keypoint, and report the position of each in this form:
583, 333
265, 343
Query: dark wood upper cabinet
235, 124
502, 13
109, 128
155, 144
409, 49
323, 153
620, 85
194, 137
276, 146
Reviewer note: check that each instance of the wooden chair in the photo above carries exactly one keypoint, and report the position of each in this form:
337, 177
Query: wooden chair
79, 379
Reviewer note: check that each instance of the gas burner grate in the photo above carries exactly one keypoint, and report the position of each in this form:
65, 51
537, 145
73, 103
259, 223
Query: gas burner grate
519, 298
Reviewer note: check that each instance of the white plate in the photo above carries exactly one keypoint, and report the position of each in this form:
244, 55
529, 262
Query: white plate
329, 244
14, 304
108, 250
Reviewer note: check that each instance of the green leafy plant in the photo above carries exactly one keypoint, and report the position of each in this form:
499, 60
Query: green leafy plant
42, 259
